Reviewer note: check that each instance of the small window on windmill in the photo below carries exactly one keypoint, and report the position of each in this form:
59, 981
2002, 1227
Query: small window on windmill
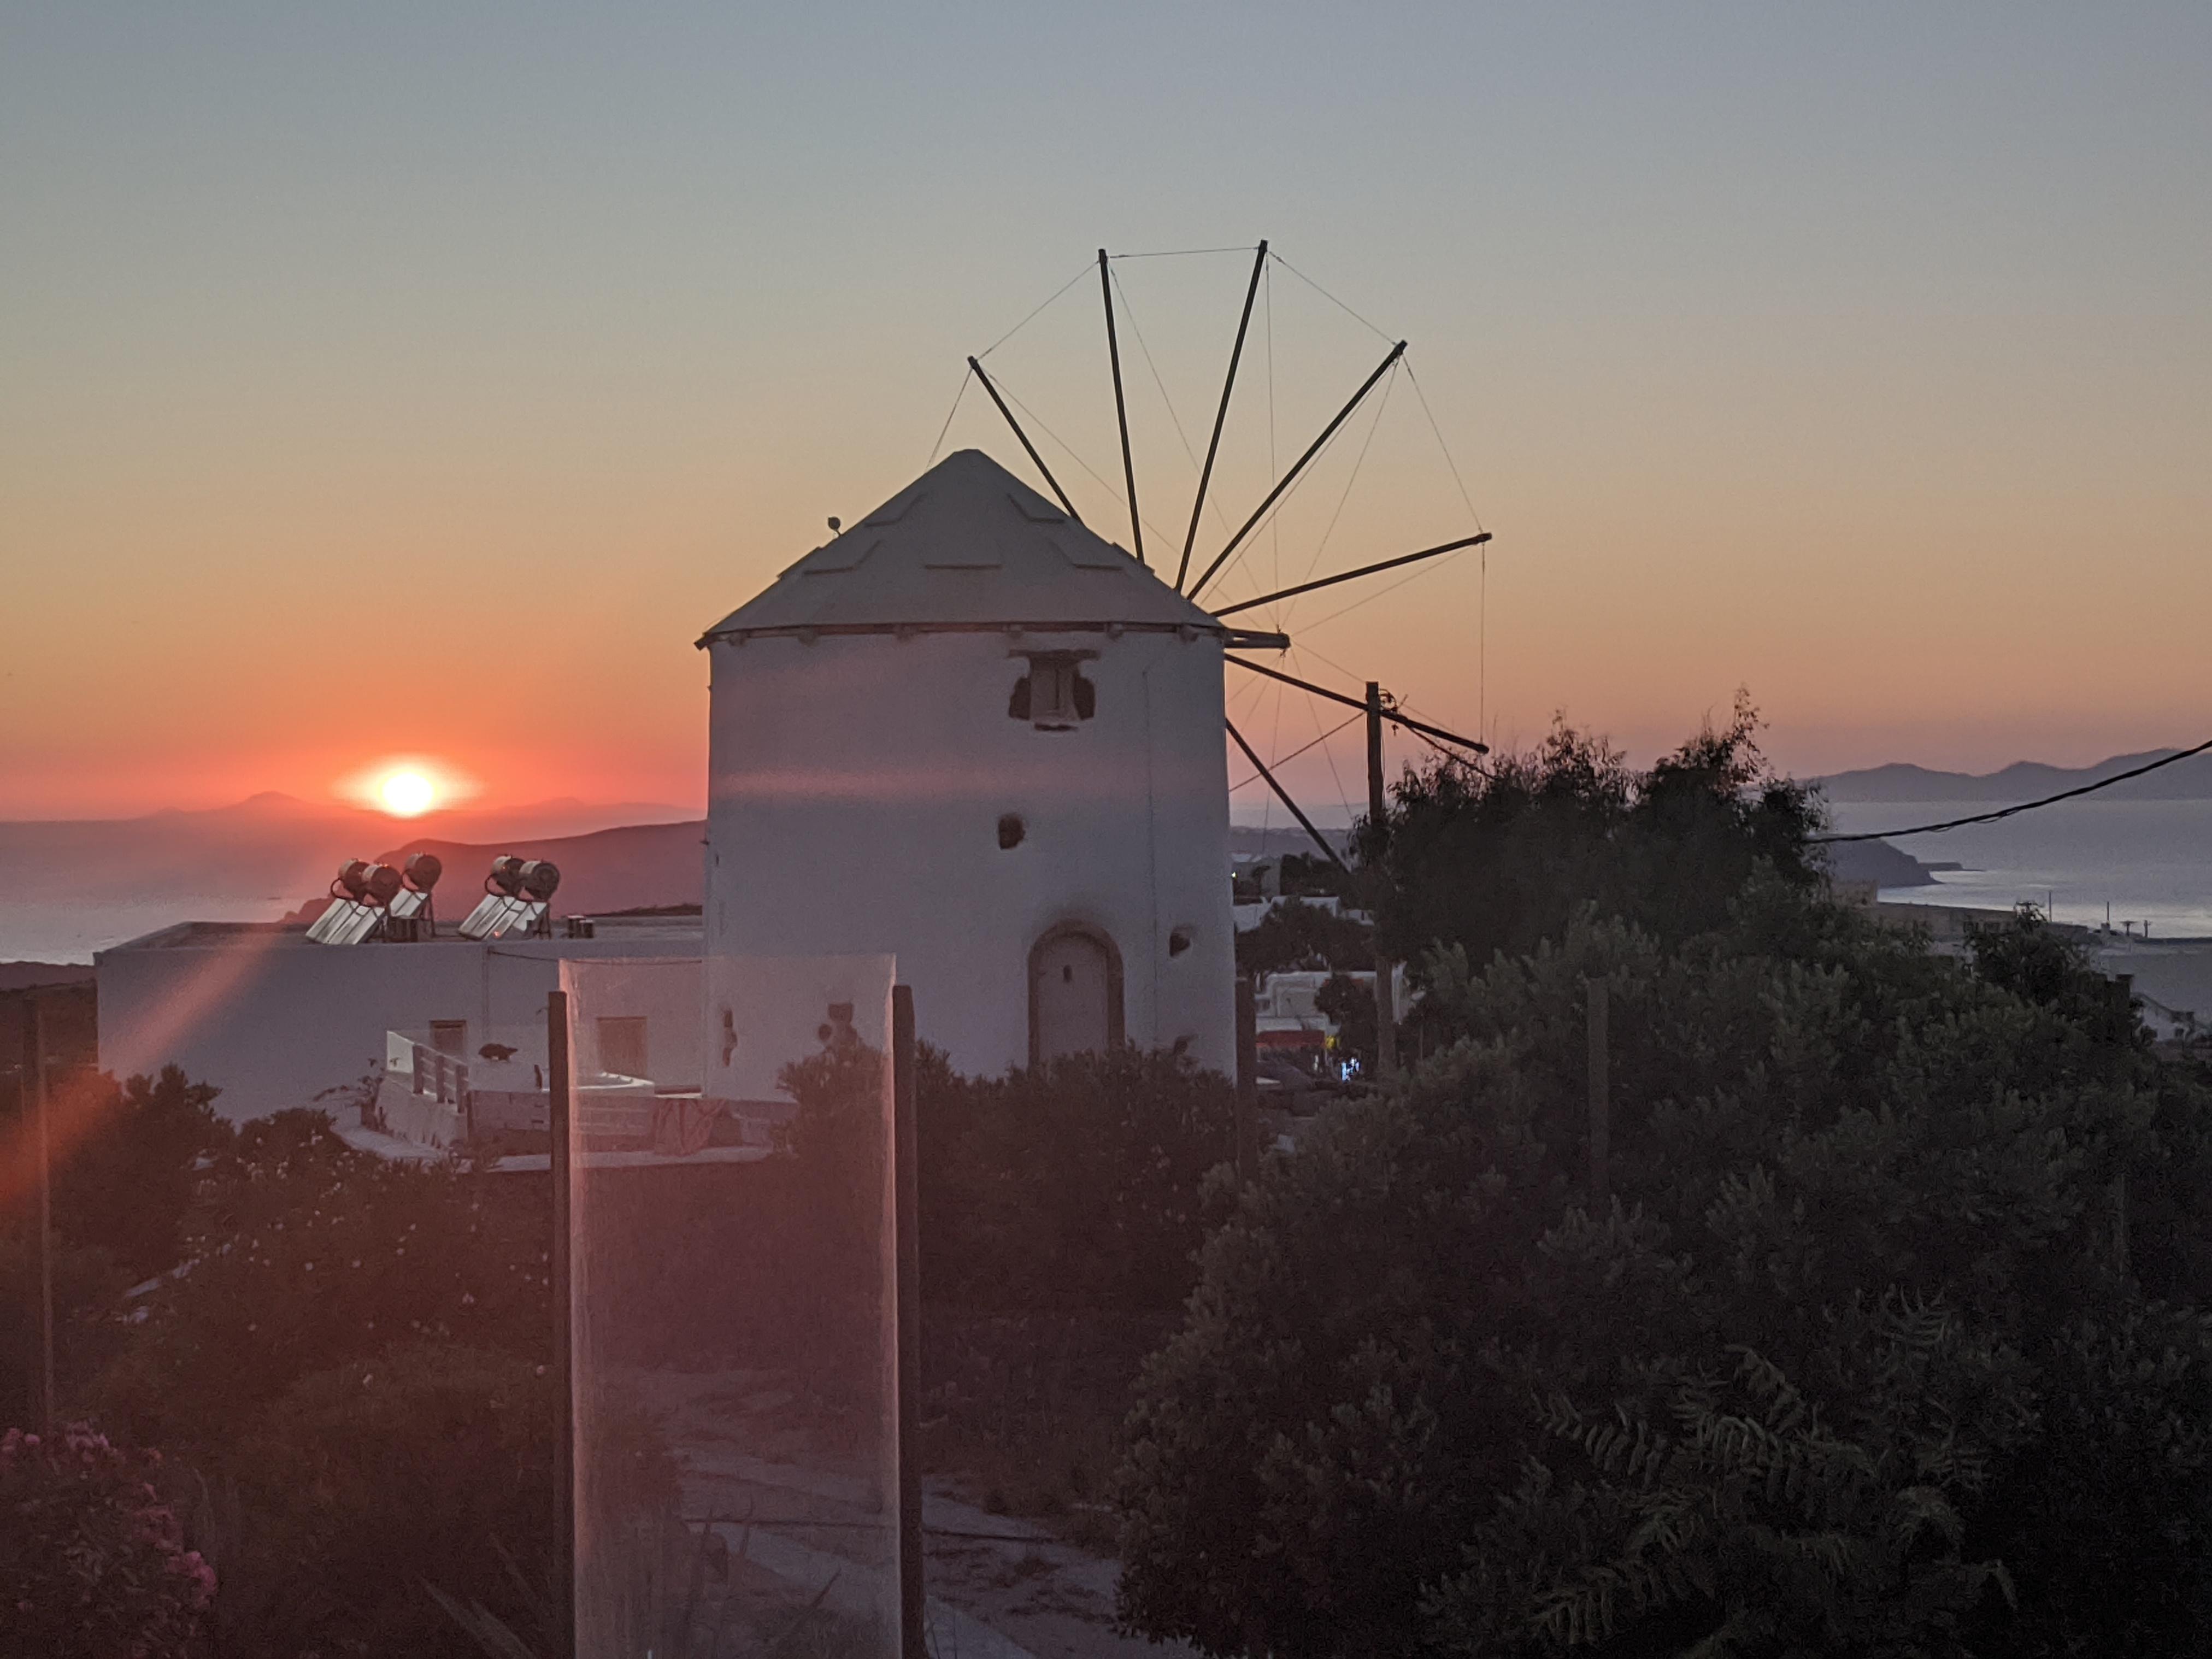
1054, 696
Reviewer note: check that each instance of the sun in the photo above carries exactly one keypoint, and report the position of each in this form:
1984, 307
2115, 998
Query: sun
406, 793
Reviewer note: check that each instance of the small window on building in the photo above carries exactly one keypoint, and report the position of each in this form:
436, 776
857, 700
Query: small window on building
621, 1045
1011, 831
450, 1037
1178, 941
1054, 696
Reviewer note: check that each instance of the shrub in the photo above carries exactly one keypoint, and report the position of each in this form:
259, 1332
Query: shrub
1079, 1183
305, 1253
1852, 1357
128, 1184
92, 1560
422, 1465
1504, 858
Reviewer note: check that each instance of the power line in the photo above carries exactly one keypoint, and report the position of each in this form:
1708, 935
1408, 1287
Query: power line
2025, 806
1032, 317
965, 376
1295, 753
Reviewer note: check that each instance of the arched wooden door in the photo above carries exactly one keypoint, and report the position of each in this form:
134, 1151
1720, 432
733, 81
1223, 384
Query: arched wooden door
1075, 993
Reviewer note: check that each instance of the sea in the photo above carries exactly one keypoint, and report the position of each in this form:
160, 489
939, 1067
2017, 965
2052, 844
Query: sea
48, 930
2129, 863
2085, 861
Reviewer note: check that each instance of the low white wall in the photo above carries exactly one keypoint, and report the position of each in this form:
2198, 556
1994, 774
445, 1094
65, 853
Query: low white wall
274, 1021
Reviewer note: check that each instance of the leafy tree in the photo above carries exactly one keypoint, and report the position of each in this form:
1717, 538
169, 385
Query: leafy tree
1081, 1181
1503, 858
303, 1253
1295, 935
1851, 1363
127, 1185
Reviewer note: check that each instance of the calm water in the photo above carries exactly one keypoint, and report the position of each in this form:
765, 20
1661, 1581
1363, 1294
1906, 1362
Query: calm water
41, 930
2149, 860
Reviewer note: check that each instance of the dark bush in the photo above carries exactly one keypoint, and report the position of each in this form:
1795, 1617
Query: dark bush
1077, 1183
93, 1562
126, 1184
304, 1254
422, 1465
1853, 1363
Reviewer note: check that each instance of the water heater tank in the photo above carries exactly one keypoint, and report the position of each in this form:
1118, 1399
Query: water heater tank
539, 878
423, 870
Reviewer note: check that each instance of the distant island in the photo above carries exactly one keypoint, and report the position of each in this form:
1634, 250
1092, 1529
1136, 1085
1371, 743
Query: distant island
2189, 779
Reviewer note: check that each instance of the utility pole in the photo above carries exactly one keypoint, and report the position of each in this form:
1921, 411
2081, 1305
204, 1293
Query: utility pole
1601, 1092
34, 1097
559, 1106
1385, 1019
906, 1289
1248, 1080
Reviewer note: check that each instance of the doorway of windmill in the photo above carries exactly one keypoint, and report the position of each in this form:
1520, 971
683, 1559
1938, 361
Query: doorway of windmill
1075, 993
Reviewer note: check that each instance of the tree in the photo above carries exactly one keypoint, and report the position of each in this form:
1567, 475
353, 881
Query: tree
1505, 858
1294, 935
128, 1185
1846, 1365
1079, 1183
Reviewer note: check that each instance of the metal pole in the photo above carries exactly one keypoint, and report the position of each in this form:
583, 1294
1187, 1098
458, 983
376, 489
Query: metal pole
1378, 825
1600, 1093
1395, 716
1038, 460
1221, 415
34, 1080
1121, 408
1248, 1080
907, 1188
559, 1111
1298, 466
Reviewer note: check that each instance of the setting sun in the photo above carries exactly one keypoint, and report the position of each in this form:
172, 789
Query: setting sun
406, 794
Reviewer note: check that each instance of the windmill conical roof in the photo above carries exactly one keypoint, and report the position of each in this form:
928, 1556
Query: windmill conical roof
967, 545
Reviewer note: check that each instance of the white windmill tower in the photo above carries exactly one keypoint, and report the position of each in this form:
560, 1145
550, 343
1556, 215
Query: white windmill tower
971, 733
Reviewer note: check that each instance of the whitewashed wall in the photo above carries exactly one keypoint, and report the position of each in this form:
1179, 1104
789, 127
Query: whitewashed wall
273, 1020
856, 785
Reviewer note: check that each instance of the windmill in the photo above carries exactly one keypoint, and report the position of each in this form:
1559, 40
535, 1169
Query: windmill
1196, 573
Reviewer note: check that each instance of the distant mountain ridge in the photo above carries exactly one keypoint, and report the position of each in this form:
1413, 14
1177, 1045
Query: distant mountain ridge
2188, 779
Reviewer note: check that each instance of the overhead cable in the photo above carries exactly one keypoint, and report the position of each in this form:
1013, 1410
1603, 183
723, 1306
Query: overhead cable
2024, 807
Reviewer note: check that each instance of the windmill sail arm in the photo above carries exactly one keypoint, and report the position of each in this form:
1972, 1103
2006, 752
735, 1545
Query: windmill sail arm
1038, 460
1393, 715
1297, 467
1353, 575
1284, 796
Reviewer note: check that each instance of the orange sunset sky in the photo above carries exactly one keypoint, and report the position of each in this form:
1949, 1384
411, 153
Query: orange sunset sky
420, 383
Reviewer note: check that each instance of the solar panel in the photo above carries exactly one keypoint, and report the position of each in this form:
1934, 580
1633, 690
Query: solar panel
406, 902
496, 916
480, 921
345, 922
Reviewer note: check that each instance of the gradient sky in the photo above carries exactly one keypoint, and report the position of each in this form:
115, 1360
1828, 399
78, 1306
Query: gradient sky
423, 378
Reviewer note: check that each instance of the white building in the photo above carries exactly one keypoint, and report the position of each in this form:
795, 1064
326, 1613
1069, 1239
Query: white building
275, 1020
972, 733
